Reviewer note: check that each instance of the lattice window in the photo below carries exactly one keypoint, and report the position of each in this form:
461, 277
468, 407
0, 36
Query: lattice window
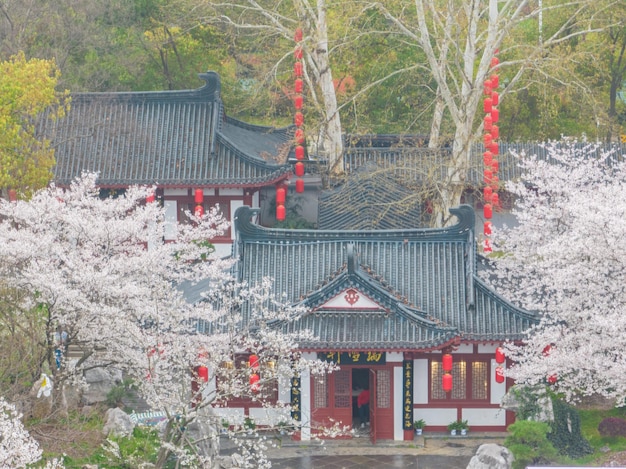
383, 389
436, 372
343, 390
459, 380
479, 380
320, 392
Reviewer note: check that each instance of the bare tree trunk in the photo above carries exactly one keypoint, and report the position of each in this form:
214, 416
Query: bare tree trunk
329, 136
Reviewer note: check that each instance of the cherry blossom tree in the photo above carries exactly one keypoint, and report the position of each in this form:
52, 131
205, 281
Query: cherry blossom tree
566, 259
156, 311
17, 448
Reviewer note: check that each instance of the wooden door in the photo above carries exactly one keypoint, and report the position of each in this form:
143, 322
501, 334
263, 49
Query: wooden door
381, 404
331, 399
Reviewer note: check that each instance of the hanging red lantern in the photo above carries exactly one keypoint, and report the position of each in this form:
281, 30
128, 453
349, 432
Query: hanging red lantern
297, 68
203, 373
255, 386
298, 119
253, 362
495, 115
494, 148
199, 196
495, 98
280, 199
297, 53
487, 192
298, 85
487, 157
500, 357
488, 123
446, 382
495, 166
487, 104
280, 212
487, 245
499, 374
298, 35
495, 62
299, 136
299, 169
487, 139
487, 87
299, 186
487, 228
149, 199
487, 176
299, 152
552, 379
198, 211
495, 132
446, 362
298, 101
495, 81
546, 350
487, 211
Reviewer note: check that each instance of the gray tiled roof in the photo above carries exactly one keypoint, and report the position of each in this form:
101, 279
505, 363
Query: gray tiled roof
425, 280
369, 200
171, 138
418, 161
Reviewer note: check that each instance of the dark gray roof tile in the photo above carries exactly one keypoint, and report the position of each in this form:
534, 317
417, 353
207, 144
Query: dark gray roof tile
424, 278
169, 138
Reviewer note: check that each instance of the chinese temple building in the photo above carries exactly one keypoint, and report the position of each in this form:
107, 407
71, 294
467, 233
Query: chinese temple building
401, 311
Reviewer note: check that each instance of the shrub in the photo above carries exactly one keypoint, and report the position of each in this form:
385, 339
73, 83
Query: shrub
566, 435
528, 442
612, 426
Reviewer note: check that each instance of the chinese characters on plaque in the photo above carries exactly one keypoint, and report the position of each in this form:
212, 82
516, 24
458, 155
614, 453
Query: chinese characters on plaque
296, 402
354, 358
407, 394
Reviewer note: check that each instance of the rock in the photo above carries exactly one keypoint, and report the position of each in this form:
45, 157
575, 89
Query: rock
491, 456
205, 436
117, 423
100, 382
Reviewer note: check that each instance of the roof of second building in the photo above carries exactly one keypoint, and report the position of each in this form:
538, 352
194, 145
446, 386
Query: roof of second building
419, 286
168, 138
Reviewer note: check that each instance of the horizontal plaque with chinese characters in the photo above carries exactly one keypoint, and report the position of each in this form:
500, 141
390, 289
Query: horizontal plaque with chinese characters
354, 358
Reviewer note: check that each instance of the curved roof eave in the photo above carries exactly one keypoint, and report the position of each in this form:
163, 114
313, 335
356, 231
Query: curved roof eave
462, 230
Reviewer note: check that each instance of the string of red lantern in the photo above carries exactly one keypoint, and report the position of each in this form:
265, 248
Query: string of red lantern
298, 69
492, 133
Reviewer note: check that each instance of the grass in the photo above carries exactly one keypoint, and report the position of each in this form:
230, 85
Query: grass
589, 421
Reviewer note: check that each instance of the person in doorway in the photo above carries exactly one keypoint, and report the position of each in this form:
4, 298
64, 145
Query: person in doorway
363, 403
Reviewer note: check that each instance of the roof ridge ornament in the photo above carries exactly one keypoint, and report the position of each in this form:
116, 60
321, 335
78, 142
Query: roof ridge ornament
352, 264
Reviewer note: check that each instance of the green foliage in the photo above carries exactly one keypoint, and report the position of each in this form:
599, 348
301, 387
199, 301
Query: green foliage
23, 347
123, 452
458, 425
566, 434
27, 92
421, 423
119, 392
528, 400
249, 424
529, 444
